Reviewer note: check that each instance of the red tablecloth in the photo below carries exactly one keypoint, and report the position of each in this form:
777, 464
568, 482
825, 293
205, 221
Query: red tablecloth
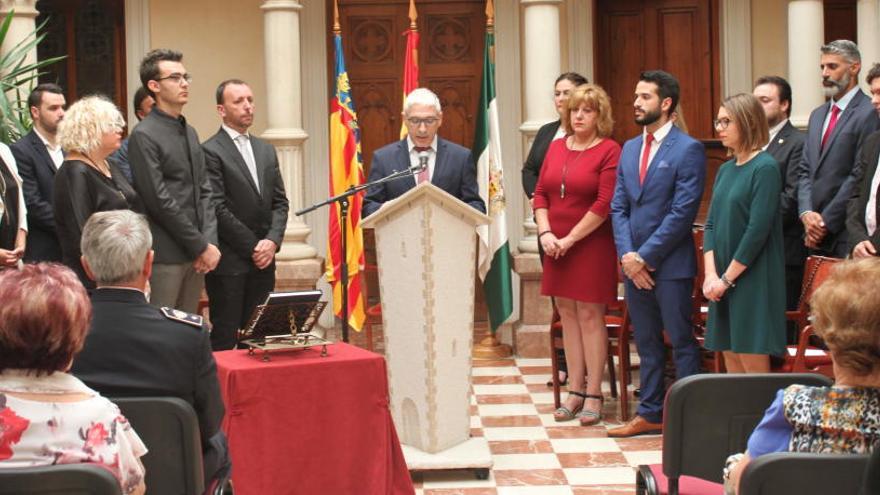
303, 424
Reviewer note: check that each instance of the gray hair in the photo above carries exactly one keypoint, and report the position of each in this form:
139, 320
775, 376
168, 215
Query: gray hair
845, 48
115, 244
84, 124
422, 96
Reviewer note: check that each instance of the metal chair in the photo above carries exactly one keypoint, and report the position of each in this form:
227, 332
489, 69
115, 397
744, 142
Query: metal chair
170, 429
68, 479
707, 418
803, 473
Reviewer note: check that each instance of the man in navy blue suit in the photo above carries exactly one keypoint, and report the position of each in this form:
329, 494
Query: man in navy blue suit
450, 166
659, 185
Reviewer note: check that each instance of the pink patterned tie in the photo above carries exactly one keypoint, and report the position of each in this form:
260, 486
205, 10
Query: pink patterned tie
423, 175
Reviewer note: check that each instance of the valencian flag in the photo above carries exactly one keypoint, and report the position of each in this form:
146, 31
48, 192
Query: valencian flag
494, 256
345, 170
411, 62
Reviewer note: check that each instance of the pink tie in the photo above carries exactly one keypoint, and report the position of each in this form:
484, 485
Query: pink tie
835, 111
423, 175
643, 168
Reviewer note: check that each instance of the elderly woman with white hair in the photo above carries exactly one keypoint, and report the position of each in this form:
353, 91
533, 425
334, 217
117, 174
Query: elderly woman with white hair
87, 182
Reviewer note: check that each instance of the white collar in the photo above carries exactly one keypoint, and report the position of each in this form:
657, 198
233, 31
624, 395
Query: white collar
45, 141
660, 134
844, 101
233, 134
410, 145
776, 128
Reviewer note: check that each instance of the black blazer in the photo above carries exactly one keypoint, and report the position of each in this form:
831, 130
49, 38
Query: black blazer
532, 167
855, 219
245, 215
454, 171
37, 171
787, 147
134, 350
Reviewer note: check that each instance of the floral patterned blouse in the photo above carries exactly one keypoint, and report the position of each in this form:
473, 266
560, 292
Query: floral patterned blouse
36, 433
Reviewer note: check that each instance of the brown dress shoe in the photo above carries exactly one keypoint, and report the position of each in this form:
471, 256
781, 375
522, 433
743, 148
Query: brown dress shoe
636, 426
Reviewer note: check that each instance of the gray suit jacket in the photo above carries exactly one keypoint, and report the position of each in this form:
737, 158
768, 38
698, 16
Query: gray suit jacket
787, 148
867, 166
828, 176
245, 214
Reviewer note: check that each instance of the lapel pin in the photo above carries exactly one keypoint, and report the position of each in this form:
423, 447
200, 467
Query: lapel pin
781, 141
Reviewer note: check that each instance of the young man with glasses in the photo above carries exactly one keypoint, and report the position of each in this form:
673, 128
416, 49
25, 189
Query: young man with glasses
169, 172
450, 166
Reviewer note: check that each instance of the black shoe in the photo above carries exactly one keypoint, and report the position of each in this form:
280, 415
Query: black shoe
562, 382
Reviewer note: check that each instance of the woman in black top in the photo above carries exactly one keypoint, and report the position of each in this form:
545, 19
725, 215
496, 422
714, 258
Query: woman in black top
87, 182
13, 223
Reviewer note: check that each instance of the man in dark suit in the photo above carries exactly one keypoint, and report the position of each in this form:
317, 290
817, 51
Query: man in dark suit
660, 180
38, 156
862, 215
251, 208
134, 349
450, 166
786, 145
168, 166
143, 105
835, 133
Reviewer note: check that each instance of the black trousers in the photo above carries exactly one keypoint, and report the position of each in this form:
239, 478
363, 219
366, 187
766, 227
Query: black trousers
232, 299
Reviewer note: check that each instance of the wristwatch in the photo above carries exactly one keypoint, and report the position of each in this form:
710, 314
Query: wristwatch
727, 282
639, 259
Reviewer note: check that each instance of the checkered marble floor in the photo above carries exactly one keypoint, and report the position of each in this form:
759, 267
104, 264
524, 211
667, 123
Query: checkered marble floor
512, 408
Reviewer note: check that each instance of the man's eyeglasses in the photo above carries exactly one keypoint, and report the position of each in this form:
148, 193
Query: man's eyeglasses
721, 124
415, 121
178, 78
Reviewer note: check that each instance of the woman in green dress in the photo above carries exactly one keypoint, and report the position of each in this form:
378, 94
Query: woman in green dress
745, 270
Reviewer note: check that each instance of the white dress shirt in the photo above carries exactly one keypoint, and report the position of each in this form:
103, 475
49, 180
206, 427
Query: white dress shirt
659, 135
246, 150
871, 208
773, 132
841, 104
54, 151
414, 156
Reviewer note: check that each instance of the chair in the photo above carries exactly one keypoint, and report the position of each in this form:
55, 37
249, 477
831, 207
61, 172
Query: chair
708, 417
68, 479
803, 473
169, 428
871, 479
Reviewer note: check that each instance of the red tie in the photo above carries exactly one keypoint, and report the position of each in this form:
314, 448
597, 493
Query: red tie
835, 111
643, 168
423, 175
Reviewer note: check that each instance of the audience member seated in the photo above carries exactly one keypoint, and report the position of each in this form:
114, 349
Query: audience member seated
844, 418
134, 349
47, 416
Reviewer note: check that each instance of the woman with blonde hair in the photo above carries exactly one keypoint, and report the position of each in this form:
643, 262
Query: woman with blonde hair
743, 251
572, 201
87, 182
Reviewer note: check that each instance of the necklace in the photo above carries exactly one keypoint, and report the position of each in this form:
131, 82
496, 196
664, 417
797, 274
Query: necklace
569, 160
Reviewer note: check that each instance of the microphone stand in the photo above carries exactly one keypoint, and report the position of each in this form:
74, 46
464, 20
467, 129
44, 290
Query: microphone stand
342, 199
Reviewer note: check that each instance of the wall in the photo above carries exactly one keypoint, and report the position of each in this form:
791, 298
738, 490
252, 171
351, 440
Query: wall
769, 38
217, 44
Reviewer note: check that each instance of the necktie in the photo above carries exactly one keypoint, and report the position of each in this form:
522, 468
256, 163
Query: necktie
423, 175
643, 168
248, 155
835, 111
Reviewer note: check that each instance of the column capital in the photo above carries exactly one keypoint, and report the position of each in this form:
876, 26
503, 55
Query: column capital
289, 135
23, 8
292, 5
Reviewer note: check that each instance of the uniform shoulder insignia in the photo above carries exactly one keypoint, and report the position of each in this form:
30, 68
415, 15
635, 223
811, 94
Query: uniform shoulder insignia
182, 317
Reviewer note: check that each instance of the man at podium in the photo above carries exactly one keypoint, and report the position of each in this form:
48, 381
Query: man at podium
449, 166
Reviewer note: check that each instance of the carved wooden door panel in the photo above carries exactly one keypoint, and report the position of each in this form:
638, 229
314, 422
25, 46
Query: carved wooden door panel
450, 63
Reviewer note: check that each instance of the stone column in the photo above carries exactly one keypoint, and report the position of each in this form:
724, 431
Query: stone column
542, 53
298, 265
22, 25
869, 36
806, 33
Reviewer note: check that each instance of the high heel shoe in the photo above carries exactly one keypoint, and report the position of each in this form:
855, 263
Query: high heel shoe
566, 414
590, 417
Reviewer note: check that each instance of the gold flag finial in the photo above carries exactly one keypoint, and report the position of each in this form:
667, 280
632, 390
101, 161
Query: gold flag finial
413, 15
336, 27
490, 14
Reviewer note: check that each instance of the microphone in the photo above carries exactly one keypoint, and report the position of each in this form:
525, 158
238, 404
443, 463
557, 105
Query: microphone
423, 160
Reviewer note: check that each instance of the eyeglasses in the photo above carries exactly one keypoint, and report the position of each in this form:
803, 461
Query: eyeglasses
721, 124
178, 78
416, 122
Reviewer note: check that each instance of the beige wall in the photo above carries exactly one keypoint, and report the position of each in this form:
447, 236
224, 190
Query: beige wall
769, 38
217, 43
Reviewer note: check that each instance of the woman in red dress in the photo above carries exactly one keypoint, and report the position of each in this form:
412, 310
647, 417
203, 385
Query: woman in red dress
571, 202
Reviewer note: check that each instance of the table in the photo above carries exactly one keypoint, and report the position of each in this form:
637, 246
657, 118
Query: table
303, 424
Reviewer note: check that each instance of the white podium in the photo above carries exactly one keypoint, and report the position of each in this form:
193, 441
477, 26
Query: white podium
426, 249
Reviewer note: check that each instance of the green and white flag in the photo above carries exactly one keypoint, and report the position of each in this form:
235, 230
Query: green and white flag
494, 256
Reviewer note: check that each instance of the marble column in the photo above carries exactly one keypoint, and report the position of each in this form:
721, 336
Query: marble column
22, 25
541, 48
806, 33
868, 35
298, 266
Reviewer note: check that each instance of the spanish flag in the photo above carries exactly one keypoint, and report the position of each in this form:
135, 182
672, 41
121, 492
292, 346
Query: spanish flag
411, 62
346, 170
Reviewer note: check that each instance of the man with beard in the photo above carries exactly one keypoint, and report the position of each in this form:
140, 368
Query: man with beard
251, 210
786, 144
659, 185
835, 133
38, 156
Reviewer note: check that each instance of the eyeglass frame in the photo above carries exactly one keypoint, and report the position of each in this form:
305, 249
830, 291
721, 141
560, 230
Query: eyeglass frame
427, 121
721, 124
177, 77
